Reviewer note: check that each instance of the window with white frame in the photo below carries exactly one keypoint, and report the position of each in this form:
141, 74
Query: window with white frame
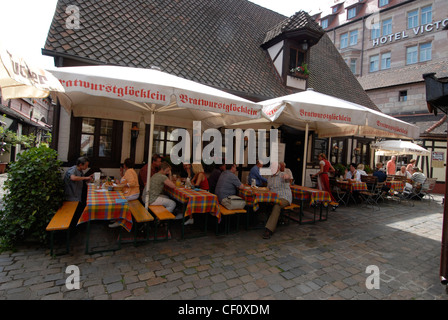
374, 63
376, 31
426, 14
353, 65
344, 40
354, 37
385, 60
351, 13
425, 52
387, 27
324, 23
413, 19
383, 3
412, 55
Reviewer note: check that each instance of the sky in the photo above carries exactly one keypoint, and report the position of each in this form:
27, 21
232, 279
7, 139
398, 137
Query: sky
24, 24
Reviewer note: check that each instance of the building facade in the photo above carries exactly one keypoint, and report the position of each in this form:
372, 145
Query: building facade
389, 45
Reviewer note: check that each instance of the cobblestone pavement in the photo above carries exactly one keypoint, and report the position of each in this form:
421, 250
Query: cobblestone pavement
326, 260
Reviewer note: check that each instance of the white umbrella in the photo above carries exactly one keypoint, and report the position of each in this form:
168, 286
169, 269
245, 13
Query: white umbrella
330, 117
19, 79
132, 94
399, 147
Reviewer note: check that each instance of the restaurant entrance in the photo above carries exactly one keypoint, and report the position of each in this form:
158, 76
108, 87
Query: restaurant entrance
294, 140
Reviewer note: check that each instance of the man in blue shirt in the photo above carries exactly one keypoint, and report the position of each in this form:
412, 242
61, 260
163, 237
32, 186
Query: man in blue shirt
228, 183
255, 174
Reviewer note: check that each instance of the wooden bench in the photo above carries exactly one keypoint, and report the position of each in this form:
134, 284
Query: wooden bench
140, 215
161, 214
61, 221
286, 211
225, 215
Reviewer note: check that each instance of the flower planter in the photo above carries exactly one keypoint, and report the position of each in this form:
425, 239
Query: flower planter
299, 75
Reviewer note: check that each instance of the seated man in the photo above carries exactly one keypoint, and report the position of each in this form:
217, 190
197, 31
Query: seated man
353, 174
278, 183
403, 173
255, 174
157, 184
228, 183
286, 170
381, 176
417, 179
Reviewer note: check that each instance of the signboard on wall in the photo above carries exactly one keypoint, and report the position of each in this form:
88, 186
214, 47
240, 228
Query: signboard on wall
438, 159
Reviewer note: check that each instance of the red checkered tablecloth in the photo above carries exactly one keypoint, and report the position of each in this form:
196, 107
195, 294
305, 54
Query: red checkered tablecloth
353, 186
253, 197
106, 205
315, 195
395, 186
196, 200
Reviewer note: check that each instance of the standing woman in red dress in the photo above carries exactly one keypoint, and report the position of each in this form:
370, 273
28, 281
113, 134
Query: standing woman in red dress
323, 181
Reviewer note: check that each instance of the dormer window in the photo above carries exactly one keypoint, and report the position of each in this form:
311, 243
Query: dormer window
351, 13
296, 57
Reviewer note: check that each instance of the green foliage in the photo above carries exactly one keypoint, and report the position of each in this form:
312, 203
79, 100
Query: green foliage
9, 138
339, 169
35, 191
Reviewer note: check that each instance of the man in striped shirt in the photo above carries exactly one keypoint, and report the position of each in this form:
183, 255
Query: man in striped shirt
279, 183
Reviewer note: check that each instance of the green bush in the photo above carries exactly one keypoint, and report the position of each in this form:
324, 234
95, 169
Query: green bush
35, 191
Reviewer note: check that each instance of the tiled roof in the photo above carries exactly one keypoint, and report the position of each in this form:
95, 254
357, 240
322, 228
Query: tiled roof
214, 42
299, 21
409, 74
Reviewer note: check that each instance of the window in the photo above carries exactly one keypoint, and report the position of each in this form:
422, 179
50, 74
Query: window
96, 143
425, 52
427, 15
419, 53
296, 58
413, 19
376, 31
98, 139
351, 13
387, 27
344, 40
163, 140
324, 23
403, 96
338, 151
383, 3
412, 55
353, 37
385, 61
353, 65
374, 63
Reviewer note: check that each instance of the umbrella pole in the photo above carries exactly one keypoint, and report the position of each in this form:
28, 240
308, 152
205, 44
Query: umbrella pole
444, 251
304, 155
148, 175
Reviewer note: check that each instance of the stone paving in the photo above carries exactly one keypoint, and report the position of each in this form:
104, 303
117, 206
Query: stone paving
321, 261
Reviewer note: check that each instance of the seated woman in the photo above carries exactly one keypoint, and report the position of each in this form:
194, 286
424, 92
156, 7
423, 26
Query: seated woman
199, 180
129, 180
131, 189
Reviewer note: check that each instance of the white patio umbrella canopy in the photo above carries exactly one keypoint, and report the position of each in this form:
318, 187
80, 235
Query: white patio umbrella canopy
330, 117
399, 147
135, 95
20, 79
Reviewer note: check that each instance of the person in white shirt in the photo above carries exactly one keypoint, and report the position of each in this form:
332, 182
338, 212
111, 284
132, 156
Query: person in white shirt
353, 174
403, 172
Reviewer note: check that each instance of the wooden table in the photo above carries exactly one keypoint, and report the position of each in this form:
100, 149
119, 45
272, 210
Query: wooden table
315, 196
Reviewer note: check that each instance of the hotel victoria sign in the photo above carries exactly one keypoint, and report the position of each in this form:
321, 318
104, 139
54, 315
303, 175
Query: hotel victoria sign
420, 30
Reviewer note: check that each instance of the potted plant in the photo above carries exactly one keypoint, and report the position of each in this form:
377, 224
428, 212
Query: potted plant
300, 71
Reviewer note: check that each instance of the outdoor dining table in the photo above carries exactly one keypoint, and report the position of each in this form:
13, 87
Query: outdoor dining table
105, 205
195, 201
315, 196
255, 196
352, 186
394, 185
